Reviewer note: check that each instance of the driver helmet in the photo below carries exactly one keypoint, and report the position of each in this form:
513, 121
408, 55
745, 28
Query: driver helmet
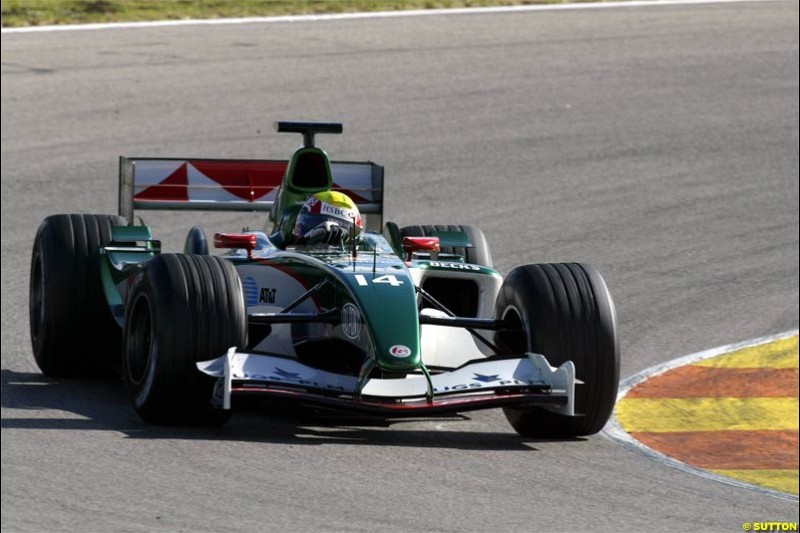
331, 206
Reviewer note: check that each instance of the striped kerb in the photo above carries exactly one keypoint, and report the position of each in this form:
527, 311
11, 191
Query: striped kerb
734, 415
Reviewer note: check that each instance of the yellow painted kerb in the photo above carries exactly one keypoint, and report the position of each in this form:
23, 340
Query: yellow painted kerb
707, 414
782, 353
747, 413
783, 480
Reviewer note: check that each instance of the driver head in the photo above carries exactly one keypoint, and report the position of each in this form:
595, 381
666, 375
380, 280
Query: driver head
329, 206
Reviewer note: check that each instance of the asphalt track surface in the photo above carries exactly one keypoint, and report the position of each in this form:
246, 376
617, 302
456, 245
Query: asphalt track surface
659, 144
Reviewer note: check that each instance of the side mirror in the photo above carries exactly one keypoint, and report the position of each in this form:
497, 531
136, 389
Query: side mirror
421, 244
238, 241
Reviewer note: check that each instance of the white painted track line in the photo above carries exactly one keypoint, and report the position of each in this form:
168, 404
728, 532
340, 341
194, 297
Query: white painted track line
372, 15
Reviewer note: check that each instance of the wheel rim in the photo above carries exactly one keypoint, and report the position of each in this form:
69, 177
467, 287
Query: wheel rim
139, 341
36, 298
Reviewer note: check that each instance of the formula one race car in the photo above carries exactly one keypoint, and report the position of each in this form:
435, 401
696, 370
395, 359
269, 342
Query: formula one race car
388, 321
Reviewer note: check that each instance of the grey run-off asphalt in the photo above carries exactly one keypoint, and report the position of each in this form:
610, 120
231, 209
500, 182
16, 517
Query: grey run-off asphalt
659, 144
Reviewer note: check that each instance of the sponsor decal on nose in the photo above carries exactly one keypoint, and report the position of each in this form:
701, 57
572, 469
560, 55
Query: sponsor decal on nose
398, 350
351, 321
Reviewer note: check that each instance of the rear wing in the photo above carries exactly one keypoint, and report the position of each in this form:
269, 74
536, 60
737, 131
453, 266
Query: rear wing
234, 185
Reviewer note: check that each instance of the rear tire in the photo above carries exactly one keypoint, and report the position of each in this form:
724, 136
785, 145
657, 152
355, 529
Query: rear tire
566, 314
477, 255
182, 309
72, 330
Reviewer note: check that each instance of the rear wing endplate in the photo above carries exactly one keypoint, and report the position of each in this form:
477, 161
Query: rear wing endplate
234, 185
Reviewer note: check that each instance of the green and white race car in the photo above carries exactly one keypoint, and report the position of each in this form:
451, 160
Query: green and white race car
392, 322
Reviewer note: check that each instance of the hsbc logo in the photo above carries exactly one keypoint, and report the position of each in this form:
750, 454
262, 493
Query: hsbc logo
328, 209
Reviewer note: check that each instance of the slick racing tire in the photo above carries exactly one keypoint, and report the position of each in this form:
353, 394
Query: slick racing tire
564, 312
182, 309
477, 255
72, 330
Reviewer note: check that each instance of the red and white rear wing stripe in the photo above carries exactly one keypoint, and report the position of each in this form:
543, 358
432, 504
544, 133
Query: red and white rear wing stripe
231, 185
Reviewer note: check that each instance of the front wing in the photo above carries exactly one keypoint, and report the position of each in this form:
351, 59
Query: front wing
527, 380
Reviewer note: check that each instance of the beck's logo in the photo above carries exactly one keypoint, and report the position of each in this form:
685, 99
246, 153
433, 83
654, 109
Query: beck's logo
454, 266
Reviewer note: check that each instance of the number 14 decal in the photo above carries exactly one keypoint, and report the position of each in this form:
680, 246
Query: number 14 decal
391, 279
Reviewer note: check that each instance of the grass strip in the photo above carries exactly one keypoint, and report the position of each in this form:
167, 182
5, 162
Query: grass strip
16, 13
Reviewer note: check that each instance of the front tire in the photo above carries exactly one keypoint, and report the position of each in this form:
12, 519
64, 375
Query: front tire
564, 312
73, 333
182, 309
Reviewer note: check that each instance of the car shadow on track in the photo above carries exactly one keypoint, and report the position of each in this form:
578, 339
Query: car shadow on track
101, 405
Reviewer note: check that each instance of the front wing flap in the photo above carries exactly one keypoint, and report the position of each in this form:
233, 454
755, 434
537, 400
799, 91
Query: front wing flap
524, 381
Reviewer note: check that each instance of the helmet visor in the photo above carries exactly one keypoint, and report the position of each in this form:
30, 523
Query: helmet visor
307, 221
